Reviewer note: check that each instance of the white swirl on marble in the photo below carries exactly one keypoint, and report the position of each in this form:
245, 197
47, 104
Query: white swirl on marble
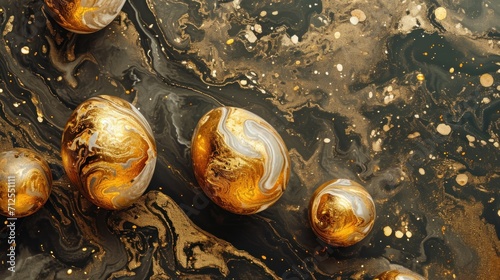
273, 165
105, 12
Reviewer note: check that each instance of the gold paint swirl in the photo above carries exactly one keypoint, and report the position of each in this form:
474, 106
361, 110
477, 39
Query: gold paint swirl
108, 151
192, 250
341, 212
239, 160
25, 182
84, 16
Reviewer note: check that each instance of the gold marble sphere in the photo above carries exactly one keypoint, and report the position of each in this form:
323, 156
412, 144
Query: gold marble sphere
84, 16
25, 182
341, 212
398, 272
108, 151
239, 160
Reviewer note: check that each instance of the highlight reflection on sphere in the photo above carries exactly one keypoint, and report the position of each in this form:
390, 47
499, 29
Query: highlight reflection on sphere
341, 212
398, 273
239, 160
27, 175
108, 151
84, 16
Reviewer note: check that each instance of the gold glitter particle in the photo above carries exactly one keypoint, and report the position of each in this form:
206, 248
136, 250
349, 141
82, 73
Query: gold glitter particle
443, 129
358, 14
486, 80
354, 20
420, 77
387, 231
409, 234
70, 271
440, 13
462, 179
399, 234
230, 41
25, 50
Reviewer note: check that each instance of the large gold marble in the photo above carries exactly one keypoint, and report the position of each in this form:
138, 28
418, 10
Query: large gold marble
239, 160
108, 151
84, 16
341, 212
25, 182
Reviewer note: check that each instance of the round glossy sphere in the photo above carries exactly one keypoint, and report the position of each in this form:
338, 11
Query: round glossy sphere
399, 274
108, 151
25, 182
341, 212
84, 16
239, 160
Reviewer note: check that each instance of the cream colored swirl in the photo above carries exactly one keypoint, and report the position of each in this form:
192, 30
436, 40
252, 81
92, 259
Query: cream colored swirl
275, 151
84, 16
102, 12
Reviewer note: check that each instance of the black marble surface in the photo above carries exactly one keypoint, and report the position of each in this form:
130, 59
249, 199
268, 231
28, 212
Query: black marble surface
347, 99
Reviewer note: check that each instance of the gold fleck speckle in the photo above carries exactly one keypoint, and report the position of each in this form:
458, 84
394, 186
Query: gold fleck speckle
359, 14
399, 234
440, 13
486, 80
25, 50
443, 129
420, 77
230, 41
387, 231
462, 179
69, 271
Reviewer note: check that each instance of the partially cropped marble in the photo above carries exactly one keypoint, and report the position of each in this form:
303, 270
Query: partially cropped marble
108, 151
398, 272
84, 16
25, 182
341, 212
239, 160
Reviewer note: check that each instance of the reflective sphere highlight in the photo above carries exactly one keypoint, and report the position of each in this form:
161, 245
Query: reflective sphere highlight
341, 212
25, 182
398, 272
239, 160
108, 151
84, 16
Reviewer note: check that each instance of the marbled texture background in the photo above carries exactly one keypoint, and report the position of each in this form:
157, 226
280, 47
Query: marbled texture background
393, 102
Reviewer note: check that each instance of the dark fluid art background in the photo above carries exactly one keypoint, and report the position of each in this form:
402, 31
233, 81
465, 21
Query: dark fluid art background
348, 105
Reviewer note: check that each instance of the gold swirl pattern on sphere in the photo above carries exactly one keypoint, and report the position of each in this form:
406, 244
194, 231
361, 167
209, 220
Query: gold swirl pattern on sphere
108, 151
399, 274
84, 16
239, 160
341, 212
25, 182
